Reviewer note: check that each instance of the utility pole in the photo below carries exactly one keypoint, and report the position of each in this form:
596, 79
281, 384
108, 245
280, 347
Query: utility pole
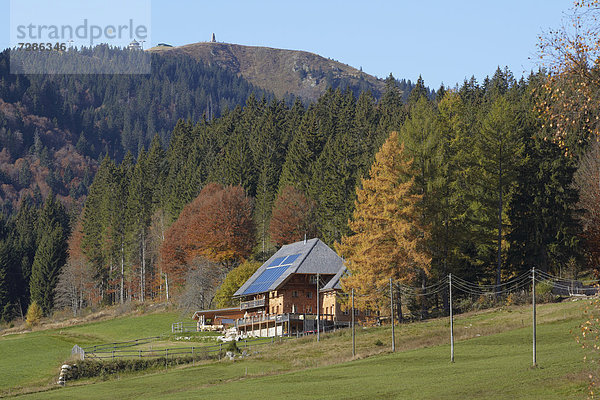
533, 304
353, 339
392, 314
318, 312
451, 321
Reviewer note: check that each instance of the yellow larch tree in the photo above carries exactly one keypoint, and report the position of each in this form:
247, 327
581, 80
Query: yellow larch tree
388, 239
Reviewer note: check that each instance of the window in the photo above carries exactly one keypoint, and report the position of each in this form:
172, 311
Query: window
356, 312
368, 313
346, 312
294, 293
309, 309
294, 309
313, 279
309, 295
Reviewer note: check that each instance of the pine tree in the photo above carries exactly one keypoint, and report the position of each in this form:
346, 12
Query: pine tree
51, 253
543, 209
5, 284
388, 236
498, 149
49, 258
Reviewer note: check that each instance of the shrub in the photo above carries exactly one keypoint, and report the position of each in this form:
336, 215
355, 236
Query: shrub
92, 368
34, 314
518, 298
232, 346
378, 343
543, 292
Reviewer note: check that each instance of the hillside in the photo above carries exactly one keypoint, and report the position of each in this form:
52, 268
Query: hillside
280, 71
493, 358
54, 128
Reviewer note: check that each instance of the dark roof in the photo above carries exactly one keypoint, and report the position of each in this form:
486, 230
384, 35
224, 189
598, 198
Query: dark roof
314, 257
334, 283
215, 311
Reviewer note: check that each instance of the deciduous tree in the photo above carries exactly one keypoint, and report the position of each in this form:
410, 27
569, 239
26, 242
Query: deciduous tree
388, 236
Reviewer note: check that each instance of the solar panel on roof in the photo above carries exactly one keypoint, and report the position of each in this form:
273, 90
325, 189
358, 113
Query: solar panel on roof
290, 259
273, 271
265, 280
276, 262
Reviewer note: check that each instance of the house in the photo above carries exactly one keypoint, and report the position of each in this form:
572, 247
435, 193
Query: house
212, 320
134, 45
294, 291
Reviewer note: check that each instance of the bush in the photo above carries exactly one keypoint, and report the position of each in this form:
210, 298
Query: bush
92, 368
543, 292
232, 346
34, 314
518, 298
378, 343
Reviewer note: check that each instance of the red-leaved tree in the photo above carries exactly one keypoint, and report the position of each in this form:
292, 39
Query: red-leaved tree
217, 225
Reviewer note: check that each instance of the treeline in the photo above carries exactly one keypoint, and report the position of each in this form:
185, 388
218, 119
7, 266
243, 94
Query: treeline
33, 251
496, 198
54, 129
321, 150
469, 186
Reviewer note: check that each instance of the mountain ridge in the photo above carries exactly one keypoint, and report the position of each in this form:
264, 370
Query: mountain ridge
281, 71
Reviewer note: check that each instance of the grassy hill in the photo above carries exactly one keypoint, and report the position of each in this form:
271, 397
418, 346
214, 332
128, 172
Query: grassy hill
493, 359
277, 70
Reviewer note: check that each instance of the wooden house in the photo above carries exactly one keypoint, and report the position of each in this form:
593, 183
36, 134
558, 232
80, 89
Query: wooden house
296, 290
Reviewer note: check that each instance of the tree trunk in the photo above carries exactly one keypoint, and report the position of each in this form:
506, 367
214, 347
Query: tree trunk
122, 273
423, 299
499, 266
167, 285
143, 282
399, 315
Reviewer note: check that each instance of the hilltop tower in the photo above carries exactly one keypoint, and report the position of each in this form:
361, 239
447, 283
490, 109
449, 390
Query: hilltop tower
213, 38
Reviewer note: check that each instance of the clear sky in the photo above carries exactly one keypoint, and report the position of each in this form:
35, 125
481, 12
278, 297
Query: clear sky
443, 40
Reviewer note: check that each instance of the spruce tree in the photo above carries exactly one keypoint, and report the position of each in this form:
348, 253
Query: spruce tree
50, 256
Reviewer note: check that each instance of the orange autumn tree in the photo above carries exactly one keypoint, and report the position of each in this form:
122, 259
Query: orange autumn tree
388, 238
293, 217
216, 225
569, 99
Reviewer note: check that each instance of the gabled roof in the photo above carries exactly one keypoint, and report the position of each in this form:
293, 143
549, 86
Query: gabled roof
310, 257
334, 283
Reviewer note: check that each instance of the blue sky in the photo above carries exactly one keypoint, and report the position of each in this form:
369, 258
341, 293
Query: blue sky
444, 41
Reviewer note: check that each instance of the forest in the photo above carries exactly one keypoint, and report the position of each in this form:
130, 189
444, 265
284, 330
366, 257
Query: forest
491, 195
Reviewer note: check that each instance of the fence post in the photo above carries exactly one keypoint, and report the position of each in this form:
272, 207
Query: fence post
113, 354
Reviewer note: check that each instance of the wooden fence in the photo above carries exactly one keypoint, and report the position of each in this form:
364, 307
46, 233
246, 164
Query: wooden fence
103, 353
182, 327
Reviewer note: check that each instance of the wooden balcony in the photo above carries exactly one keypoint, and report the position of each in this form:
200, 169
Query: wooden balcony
246, 305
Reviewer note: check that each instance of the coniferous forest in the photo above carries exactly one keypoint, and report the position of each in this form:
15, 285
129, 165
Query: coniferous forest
138, 210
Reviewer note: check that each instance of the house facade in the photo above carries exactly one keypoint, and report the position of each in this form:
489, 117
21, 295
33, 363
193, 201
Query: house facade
296, 290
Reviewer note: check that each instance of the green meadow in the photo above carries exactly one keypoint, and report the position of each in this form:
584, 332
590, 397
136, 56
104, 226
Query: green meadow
493, 360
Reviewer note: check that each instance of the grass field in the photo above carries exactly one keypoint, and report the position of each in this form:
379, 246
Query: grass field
34, 359
493, 358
